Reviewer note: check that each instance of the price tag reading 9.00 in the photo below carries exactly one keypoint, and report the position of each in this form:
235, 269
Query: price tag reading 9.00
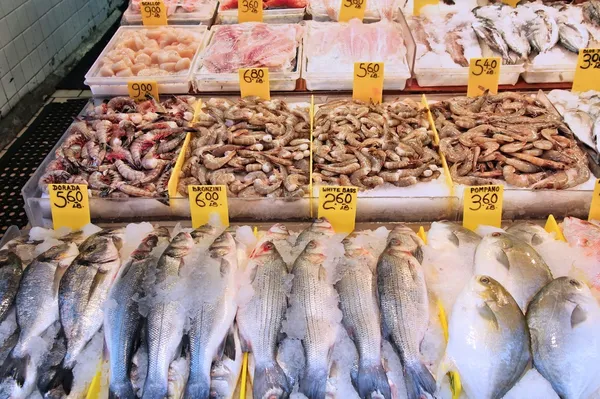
338, 205
206, 201
141, 90
352, 9
153, 12
69, 205
368, 81
587, 72
255, 82
482, 206
484, 74
250, 11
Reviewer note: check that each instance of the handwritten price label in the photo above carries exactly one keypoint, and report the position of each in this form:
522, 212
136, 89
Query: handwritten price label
206, 201
338, 205
587, 72
418, 4
352, 9
482, 205
69, 205
484, 74
250, 11
595, 206
255, 82
154, 12
512, 3
140, 90
368, 81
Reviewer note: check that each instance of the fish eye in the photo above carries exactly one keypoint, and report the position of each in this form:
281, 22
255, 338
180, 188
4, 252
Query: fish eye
282, 227
485, 280
395, 241
312, 245
496, 234
269, 245
575, 283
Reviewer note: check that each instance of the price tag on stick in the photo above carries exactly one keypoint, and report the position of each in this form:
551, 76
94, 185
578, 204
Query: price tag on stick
69, 205
250, 11
595, 206
482, 205
352, 9
154, 12
255, 82
484, 74
512, 3
587, 72
338, 205
418, 4
368, 81
206, 201
140, 90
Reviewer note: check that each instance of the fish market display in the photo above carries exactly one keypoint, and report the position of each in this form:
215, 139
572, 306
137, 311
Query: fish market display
564, 320
252, 45
256, 148
508, 138
267, 4
376, 10
11, 270
177, 7
371, 145
160, 51
122, 148
334, 47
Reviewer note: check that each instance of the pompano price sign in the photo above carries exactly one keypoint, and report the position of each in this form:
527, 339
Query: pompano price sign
482, 205
154, 12
352, 9
587, 71
206, 201
368, 82
255, 82
338, 205
484, 74
250, 11
69, 205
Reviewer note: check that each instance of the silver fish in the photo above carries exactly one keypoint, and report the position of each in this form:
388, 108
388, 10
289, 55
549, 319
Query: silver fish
405, 312
591, 12
11, 269
260, 320
542, 31
533, 234
360, 310
493, 38
514, 35
319, 228
225, 373
488, 340
50, 365
409, 239
572, 35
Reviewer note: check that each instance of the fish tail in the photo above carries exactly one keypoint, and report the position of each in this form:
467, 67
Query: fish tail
372, 379
16, 368
63, 378
418, 380
270, 381
121, 391
197, 388
313, 383
154, 391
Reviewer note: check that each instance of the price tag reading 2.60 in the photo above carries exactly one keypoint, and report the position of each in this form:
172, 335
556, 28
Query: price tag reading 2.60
154, 12
338, 205
484, 74
587, 72
482, 206
140, 90
206, 201
255, 82
368, 81
250, 11
352, 9
69, 204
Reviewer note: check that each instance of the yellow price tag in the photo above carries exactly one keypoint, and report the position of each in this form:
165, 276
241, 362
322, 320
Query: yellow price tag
154, 12
595, 207
418, 4
338, 205
140, 90
69, 204
587, 72
512, 3
368, 81
208, 200
255, 82
250, 11
484, 74
482, 205
352, 9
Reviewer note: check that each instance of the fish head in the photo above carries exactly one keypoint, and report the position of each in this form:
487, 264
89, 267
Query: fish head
180, 245
500, 240
458, 235
315, 251
203, 232
322, 226
266, 249
532, 233
353, 248
162, 232
489, 290
62, 254
278, 232
222, 245
575, 291
405, 242
99, 249
76, 236
9, 258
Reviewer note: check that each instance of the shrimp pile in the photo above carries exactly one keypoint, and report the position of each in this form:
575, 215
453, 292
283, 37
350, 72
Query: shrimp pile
255, 148
508, 138
369, 145
176, 6
122, 148
151, 52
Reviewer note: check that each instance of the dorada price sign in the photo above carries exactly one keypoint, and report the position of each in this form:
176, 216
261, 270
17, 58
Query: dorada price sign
154, 12
595, 206
141, 90
368, 81
250, 11
69, 205
418, 4
206, 201
352, 9
255, 82
482, 205
338, 205
484, 74
587, 72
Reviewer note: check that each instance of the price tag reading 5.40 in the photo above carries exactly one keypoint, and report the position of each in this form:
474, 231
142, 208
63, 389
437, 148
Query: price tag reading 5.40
69, 205
140, 90
352, 9
255, 82
484, 74
338, 205
368, 81
587, 72
250, 11
154, 12
482, 206
206, 201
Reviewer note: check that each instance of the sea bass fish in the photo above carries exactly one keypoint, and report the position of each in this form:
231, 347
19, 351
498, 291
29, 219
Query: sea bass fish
488, 340
319, 228
11, 270
564, 320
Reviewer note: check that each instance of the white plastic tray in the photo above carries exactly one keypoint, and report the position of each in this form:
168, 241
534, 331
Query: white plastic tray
509, 75
203, 17
549, 73
274, 16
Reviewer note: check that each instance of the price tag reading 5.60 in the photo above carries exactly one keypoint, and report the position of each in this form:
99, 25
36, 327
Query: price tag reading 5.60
484, 74
255, 82
140, 90
250, 11
352, 9
69, 205
206, 201
587, 72
153, 12
482, 206
338, 205
368, 81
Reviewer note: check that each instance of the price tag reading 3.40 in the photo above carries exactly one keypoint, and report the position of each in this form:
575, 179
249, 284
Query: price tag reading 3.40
338, 205
206, 201
352, 9
140, 90
250, 11
255, 82
595, 206
368, 81
153, 12
484, 74
482, 206
587, 72
69, 204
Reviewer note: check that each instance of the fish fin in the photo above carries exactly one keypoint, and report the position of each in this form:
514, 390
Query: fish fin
63, 378
227, 347
97, 281
270, 381
502, 257
15, 368
487, 314
225, 267
536, 239
453, 238
418, 253
313, 383
372, 379
322, 273
246, 346
578, 316
418, 380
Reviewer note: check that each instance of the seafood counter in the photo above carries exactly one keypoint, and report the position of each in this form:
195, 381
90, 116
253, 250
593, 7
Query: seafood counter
298, 300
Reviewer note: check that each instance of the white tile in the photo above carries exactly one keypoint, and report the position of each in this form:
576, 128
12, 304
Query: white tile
44, 53
38, 34
27, 67
3, 99
29, 37
8, 6
4, 111
32, 12
33, 83
14, 100
21, 14
23, 91
9, 85
2, 12
36, 60
21, 47
5, 35
11, 54
45, 24
19, 76
4, 67
14, 25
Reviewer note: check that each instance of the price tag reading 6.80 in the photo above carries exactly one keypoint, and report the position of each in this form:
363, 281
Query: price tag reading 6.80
140, 90
69, 205
255, 82
256, 75
338, 205
482, 206
153, 12
206, 201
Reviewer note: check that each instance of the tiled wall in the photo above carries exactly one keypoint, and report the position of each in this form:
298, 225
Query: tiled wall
37, 35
